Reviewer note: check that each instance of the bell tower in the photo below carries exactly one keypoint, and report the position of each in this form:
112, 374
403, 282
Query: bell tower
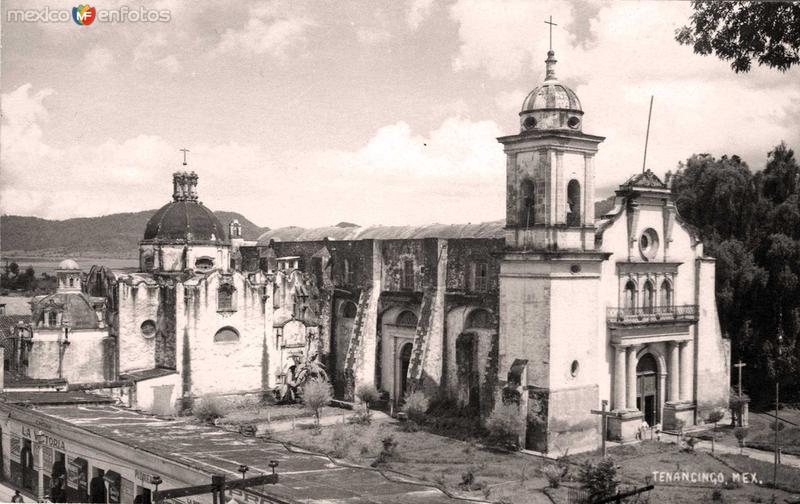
550, 272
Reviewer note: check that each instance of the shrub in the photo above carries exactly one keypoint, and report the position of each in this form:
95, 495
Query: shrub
316, 395
741, 435
367, 393
469, 482
209, 409
340, 442
387, 452
360, 418
552, 474
600, 479
416, 406
505, 426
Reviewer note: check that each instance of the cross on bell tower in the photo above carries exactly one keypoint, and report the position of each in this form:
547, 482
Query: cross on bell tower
552, 24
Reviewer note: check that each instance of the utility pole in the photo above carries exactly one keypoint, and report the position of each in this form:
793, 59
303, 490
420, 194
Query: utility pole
777, 409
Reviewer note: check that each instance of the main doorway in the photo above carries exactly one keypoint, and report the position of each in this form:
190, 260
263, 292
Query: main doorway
647, 389
405, 361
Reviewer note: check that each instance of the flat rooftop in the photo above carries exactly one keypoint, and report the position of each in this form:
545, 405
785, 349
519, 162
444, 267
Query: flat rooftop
303, 477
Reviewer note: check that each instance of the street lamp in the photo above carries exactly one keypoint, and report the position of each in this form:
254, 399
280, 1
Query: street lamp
273, 464
777, 407
243, 469
156, 481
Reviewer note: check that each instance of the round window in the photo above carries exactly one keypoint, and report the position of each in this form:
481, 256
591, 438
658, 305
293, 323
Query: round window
148, 328
573, 369
573, 122
648, 244
529, 123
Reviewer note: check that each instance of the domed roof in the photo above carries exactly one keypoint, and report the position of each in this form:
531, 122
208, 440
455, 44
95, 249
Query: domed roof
551, 95
184, 221
68, 264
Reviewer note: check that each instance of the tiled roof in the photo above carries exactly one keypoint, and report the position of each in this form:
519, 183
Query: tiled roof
487, 230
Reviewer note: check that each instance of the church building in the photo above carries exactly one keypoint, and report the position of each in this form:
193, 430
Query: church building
556, 309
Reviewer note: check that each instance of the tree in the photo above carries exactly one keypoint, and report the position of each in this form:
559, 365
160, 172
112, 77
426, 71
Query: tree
740, 32
367, 393
741, 436
714, 417
316, 395
600, 480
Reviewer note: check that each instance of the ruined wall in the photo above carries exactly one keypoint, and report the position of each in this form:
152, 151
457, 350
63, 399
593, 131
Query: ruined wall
138, 302
198, 321
462, 254
712, 356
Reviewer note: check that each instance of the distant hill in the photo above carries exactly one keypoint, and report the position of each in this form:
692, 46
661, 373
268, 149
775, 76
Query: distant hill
115, 235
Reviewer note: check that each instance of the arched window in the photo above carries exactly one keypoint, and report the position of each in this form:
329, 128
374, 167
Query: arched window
225, 298
479, 319
527, 214
573, 203
149, 262
71, 282
480, 276
629, 301
649, 297
348, 272
226, 335
407, 281
407, 319
52, 319
349, 310
666, 296
203, 264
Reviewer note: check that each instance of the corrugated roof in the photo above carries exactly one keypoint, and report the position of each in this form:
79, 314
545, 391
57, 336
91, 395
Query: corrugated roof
485, 230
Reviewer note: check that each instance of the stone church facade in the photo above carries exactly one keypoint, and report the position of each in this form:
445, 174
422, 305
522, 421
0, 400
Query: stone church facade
555, 309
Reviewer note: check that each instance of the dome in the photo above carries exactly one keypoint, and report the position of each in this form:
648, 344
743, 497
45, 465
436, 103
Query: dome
184, 221
68, 264
552, 95
551, 105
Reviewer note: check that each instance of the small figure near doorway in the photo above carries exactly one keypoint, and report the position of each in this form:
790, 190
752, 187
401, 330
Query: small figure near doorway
17, 497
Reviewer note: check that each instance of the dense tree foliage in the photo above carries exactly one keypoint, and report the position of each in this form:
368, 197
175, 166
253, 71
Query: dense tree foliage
740, 32
751, 223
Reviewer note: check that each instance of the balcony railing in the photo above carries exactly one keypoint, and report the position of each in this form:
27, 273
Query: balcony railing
651, 314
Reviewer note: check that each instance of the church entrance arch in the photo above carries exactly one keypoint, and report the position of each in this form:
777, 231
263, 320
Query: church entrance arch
647, 389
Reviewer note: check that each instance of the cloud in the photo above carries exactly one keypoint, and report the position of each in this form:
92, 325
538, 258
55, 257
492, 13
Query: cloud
454, 173
270, 29
169, 63
98, 60
372, 35
418, 11
627, 55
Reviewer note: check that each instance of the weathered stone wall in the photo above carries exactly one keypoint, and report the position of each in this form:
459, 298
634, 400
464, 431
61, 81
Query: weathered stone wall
82, 359
462, 254
138, 302
713, 353
198, 320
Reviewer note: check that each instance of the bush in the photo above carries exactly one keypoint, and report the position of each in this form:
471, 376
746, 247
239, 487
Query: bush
601, 479
367, 393
741, 436
552, 474
316, 395
359, 418
416, 406
387, 452
340, 442
505, 426
209, 409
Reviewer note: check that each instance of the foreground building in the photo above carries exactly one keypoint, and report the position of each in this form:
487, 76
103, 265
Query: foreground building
555, 310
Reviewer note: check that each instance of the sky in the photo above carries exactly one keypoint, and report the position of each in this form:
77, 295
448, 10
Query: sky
309, 113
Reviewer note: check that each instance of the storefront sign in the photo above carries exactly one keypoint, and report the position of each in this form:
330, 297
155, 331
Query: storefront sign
126, 490
44, 438
16, 447
145, 477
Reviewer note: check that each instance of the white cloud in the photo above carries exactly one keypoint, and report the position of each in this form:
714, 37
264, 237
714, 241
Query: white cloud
270, 29
451, 174
418, 11
98, 60
372, 35
700, 104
